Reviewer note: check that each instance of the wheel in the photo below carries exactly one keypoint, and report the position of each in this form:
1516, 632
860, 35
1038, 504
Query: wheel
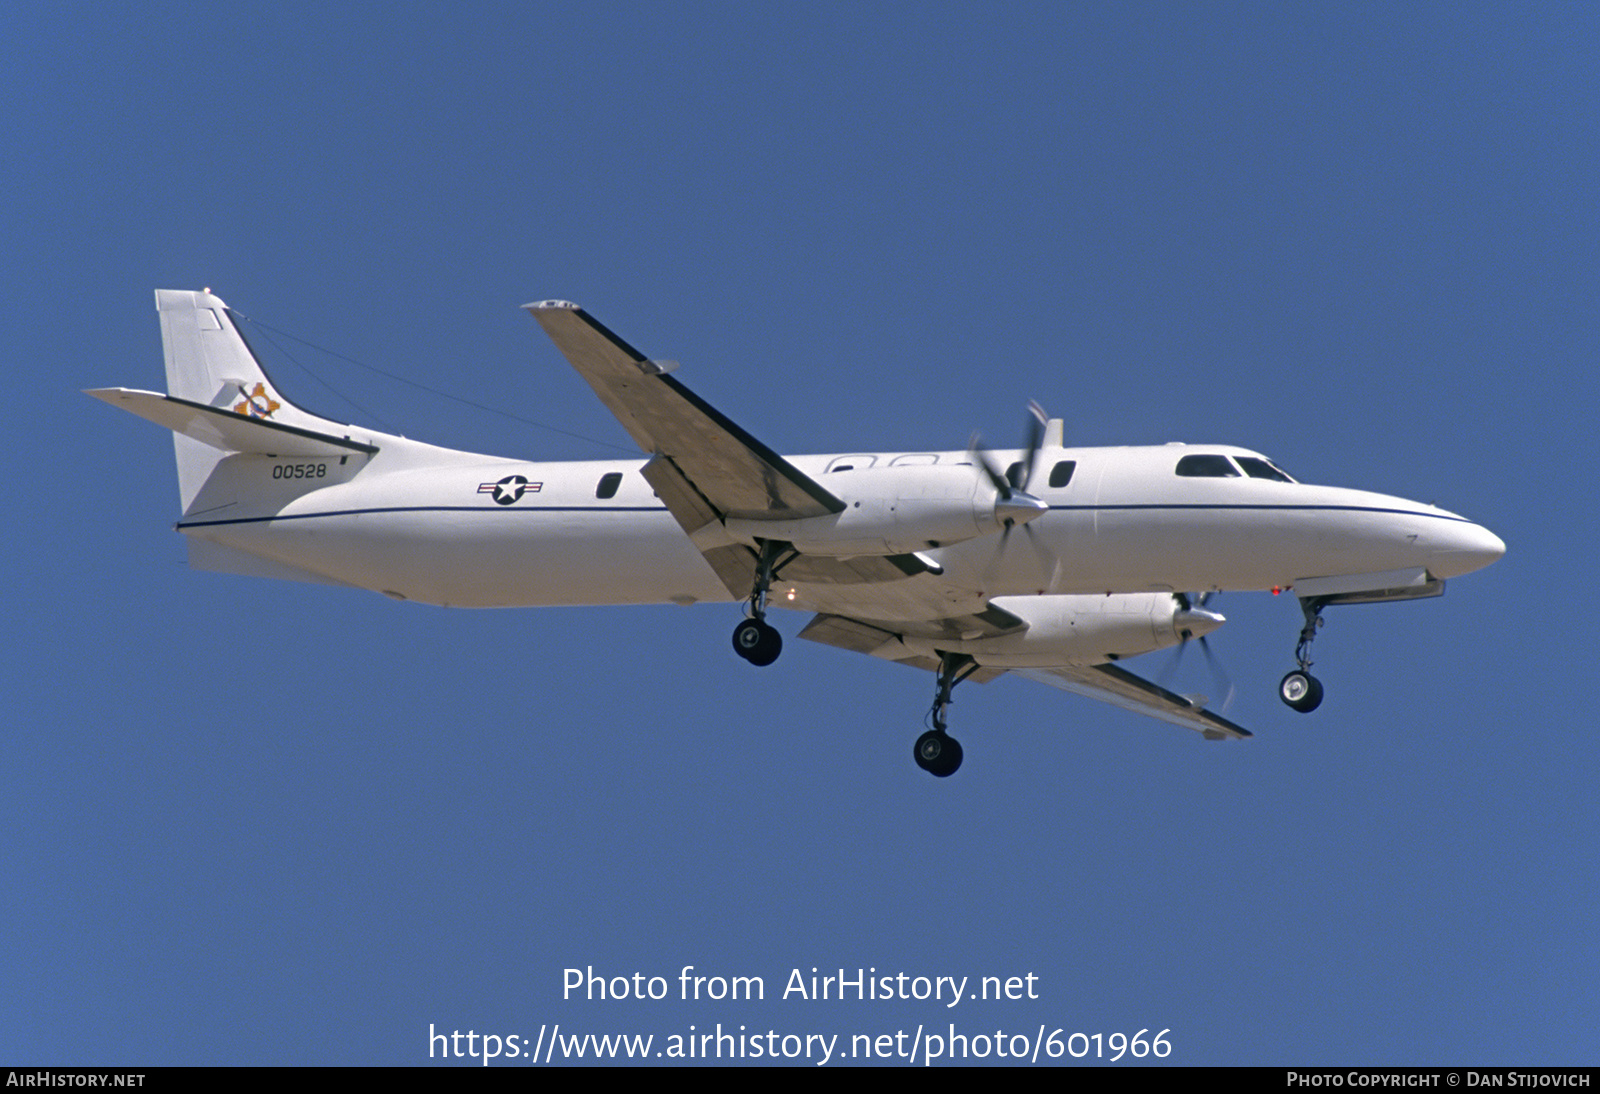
757, 642
1301, 691
938, 753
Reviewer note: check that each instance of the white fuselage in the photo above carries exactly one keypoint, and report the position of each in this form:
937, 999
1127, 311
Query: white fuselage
431, 524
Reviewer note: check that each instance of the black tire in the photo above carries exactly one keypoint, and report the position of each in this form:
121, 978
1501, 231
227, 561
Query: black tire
937, 753
1300, 691
757, 642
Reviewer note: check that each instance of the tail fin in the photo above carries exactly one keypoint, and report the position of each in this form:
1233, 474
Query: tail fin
211, 367
209, 362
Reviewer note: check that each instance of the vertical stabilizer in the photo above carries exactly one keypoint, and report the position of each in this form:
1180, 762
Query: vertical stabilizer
209, 362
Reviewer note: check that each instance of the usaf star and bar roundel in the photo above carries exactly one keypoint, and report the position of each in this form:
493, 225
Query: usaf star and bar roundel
509, 490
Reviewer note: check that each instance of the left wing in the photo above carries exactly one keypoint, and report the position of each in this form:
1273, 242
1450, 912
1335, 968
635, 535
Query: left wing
1108, 683
737, 474
704, 467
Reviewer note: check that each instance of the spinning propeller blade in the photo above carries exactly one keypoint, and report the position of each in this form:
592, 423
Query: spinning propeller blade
1192, 611
1013, 504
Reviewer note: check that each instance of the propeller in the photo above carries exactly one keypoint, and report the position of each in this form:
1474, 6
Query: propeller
1013, 505
1193, 621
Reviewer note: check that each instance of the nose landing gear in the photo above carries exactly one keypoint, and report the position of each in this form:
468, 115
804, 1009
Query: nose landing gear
1299, 690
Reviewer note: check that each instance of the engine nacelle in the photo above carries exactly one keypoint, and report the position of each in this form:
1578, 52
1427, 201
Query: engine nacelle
889, 510
1081, 630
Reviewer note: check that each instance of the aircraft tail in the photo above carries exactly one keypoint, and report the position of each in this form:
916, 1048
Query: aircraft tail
219, 399
209, 361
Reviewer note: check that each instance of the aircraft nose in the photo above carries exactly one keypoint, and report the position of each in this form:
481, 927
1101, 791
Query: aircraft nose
1465, 547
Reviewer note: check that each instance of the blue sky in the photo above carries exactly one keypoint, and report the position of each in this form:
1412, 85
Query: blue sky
250, 822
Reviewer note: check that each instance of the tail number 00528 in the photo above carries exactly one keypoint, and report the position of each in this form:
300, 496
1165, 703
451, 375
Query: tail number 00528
300, 471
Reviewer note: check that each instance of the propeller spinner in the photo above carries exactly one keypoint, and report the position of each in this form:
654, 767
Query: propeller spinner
1013, 504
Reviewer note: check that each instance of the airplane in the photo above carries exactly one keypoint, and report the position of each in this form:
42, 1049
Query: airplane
914, 557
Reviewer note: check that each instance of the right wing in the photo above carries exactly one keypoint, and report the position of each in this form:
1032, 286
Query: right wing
1107, 682
882, 638
1121, 688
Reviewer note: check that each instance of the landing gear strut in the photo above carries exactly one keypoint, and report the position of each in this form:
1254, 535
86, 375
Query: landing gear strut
1299, 689
756, 640
937, 752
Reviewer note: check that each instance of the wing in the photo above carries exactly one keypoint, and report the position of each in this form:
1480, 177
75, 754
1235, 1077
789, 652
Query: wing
1119, 687
736, 473
704, 467
883, 639
1108, 683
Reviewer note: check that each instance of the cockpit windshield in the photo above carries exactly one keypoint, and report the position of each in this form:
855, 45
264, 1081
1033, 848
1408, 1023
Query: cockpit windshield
1218, 466
1258, 468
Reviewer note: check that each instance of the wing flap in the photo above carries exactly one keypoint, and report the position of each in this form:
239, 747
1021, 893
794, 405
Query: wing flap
868, 635
687, 505
861, 637
847, 634
858, 570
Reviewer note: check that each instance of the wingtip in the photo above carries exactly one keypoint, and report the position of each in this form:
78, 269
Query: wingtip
551, 305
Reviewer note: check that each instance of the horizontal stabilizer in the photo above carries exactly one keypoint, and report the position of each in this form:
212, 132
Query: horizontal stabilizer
227, 431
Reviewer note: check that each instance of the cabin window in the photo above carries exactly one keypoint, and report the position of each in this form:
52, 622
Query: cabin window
850, 463
1207, 467
608, 484
1060, 474
1258, 468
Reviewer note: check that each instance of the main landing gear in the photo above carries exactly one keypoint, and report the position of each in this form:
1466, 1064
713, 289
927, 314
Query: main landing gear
1299, 690
937, 752
756, 640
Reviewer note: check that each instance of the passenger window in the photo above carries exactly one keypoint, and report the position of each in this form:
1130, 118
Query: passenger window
608, 484
1261, 469
1207, 467
1061, 473
1014, 475
850, 463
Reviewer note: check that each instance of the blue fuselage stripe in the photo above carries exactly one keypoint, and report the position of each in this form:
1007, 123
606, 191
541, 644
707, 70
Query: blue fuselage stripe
512, 509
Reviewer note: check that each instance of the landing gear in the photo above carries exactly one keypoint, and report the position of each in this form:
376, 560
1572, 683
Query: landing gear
937, 752
757, 641
1299, 690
